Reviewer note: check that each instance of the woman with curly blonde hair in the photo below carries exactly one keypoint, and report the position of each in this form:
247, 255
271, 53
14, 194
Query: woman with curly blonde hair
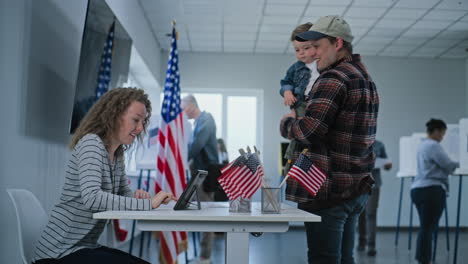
95, 181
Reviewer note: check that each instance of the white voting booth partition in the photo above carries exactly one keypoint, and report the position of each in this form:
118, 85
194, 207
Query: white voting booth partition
408, 149
451, 142
463, 144
460, 172
405, 156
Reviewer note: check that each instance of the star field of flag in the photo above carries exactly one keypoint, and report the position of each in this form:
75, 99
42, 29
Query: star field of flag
252, 163
104, 74
303, 162
171, 102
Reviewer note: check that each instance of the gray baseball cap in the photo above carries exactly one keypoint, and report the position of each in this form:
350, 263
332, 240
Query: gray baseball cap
333, 26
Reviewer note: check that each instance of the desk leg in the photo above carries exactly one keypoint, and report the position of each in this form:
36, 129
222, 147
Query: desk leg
399, 212
457, 228
237, 248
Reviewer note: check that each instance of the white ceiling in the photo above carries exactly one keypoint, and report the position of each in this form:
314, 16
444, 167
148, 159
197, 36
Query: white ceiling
401, 28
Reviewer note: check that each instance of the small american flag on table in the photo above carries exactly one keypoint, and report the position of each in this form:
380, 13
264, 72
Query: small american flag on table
242, 177
307, 174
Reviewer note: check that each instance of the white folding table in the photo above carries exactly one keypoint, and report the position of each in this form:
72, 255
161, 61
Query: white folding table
215, 217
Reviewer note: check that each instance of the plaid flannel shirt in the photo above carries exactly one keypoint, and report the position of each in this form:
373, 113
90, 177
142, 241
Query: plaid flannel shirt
338, 129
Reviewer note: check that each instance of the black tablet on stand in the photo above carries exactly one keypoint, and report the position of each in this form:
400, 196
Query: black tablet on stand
185, 199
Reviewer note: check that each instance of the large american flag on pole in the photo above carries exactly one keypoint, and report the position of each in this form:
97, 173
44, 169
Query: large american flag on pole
171, 159
307, 174
242, 177
104, 73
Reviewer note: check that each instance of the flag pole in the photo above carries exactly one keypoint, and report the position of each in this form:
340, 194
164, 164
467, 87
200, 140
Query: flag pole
173, 26
287, 175
282, 183
265, 183
270, 196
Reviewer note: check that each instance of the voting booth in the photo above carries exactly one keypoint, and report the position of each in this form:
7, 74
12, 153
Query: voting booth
408, 149
405, 156
463, 144
451, 142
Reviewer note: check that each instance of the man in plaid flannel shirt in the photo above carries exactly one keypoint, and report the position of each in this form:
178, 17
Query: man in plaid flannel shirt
338, 129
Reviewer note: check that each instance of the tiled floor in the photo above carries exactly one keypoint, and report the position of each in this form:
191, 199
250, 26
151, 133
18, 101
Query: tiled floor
290, 248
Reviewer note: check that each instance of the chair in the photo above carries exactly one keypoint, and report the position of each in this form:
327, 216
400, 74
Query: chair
31, 219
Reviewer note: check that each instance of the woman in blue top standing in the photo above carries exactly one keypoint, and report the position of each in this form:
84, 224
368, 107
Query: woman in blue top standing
429, 188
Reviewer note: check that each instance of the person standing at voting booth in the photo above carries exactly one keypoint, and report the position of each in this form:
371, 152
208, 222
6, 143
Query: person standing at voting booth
368, 218
203, 154
429, 188
95, 181
338, 129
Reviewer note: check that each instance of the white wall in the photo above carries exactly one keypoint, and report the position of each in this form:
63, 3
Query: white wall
411, 92
39, 51
132, 18
245, 71
37, 97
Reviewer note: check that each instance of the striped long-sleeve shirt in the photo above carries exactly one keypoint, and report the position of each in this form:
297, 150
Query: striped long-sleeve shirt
338, 128
91, 185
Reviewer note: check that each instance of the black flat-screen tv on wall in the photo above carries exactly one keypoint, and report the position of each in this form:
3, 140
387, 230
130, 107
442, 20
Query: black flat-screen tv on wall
99, 18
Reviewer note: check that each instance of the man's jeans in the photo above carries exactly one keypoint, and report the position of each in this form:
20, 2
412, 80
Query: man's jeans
331, 241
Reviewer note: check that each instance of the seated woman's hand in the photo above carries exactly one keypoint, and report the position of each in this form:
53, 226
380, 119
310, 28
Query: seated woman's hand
140, 194
162, 197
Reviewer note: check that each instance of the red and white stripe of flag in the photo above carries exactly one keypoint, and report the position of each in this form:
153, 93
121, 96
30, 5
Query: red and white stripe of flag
241, 181
232, 183
229, 174
254, 182
170, 177
311, 179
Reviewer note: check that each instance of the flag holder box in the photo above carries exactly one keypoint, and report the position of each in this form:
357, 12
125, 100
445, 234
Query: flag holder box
271, 200
240, 205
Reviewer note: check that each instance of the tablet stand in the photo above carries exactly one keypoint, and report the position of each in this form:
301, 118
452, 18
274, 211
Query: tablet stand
194, 184
197, 198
